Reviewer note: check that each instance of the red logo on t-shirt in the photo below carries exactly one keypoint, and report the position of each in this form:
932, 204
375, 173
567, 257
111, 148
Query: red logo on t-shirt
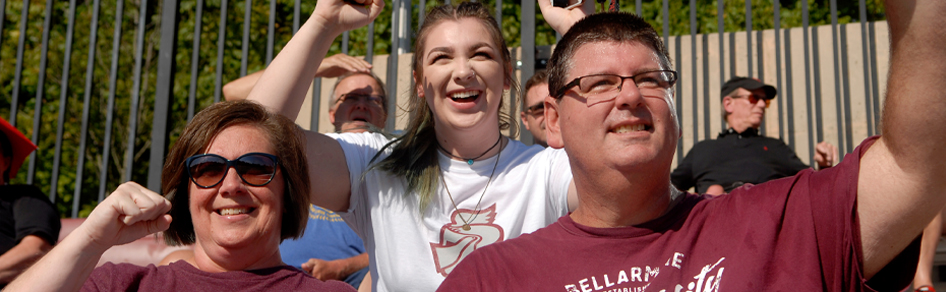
456, 242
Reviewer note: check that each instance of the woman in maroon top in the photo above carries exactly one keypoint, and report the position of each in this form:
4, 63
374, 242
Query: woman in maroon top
236, 184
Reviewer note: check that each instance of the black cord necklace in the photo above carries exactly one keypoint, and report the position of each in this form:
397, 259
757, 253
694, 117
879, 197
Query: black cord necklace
470, 160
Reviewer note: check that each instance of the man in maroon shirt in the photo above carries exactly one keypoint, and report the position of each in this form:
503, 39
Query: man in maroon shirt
632, 231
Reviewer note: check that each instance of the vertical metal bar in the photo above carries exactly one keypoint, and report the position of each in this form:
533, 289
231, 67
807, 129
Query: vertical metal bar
846, 83
135, 91
271, 32
316, 104
369, 47
40, 90
404, 35
707, 99
345, 42
499, 12
392, 63
789, 97
749, 45
837, 75
14, 104
777, 7
695, 82
221, 43
665, 10
247, 13
421, 13
163, 93
678, 98
811, 129
637, 7
296, 16
195, 61
761, 61
721, 27
3, 10
868, 111
527, 59
63, 100
875, 100
109, 114
87, 95
816, 74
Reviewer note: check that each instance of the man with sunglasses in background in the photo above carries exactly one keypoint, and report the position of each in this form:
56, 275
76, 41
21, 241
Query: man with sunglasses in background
739, 155
533, 106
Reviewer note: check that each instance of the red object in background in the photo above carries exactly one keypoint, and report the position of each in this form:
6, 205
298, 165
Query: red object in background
22, 147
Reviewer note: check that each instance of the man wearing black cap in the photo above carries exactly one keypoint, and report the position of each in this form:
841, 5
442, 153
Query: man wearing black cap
739, 155
29, 223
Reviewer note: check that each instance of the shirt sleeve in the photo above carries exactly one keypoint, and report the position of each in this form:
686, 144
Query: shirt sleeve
35, 215
360, 150
682, 176
560, 177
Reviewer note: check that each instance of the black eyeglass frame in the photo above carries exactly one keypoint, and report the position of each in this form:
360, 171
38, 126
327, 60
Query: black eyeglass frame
575, 82
235, 164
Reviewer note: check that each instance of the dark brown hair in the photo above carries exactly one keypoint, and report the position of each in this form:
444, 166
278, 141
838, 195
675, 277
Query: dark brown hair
601, 27
287, 139
540, 77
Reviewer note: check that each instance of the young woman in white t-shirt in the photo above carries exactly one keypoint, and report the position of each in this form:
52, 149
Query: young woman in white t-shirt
452, 182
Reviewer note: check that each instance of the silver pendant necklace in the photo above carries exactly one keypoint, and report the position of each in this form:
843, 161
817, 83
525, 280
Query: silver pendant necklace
466, 223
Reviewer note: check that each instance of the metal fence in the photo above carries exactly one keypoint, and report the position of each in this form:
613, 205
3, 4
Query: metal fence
138, 91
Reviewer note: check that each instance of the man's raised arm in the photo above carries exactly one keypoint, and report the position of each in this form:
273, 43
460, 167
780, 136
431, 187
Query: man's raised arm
283, 86
902, 181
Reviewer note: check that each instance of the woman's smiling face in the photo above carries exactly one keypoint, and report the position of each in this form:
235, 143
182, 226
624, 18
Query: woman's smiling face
232, 214
463, 75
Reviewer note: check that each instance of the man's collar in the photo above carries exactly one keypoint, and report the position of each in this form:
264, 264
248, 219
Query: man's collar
750, 132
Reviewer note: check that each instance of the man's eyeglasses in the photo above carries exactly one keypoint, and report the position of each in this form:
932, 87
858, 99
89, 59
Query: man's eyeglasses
604, 87
754, 99
536, 110
353, 98
208, 170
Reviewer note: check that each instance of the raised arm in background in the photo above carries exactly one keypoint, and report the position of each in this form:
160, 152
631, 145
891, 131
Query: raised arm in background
562, 19
331, 67
283, 86
901, 185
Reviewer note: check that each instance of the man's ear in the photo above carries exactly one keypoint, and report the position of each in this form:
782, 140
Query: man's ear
728, 104
525, 123
553, 128
331, 116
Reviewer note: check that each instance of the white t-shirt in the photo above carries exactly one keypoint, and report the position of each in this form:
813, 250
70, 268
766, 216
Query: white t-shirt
411, 251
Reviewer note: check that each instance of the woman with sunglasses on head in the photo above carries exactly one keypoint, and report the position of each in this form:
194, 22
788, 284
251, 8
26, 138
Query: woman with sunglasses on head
236, 184
452, 183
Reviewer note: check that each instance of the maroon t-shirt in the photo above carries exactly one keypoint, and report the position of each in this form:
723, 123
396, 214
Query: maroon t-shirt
181, 276
799, 233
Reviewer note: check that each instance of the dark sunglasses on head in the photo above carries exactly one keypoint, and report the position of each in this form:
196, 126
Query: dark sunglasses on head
208, 170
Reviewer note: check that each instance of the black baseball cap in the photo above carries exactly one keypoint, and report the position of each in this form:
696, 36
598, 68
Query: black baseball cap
749, 84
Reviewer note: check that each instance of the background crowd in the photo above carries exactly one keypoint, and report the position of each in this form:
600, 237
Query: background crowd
454, 198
